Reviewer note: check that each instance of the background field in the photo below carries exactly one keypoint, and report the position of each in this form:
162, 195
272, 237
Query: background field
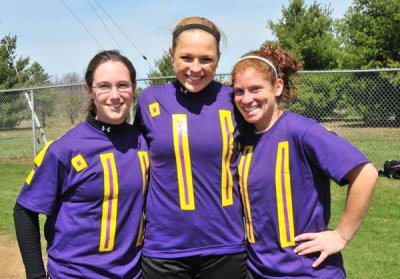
373, 253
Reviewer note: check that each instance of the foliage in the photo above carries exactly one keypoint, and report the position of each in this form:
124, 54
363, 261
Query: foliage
16, 72
74, 98
369, 33
367, 37
317, 97
163, 68
377, 98
307, 32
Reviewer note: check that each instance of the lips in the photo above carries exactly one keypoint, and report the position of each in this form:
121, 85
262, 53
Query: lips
115, 106
194, 79
250, 109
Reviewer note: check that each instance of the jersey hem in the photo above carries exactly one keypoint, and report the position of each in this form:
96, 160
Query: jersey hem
224, 250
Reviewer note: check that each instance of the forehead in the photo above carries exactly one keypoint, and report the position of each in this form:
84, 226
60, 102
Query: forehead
249, 74
195, 40
111, 70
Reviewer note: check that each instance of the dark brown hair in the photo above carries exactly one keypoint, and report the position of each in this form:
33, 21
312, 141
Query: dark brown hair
100, 58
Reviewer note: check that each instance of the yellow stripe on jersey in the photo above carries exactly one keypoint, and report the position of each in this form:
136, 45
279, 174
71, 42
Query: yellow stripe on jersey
38, 162
110, 203
144, 165
284, 196
79, 163
183, 164
244, 167
139, 241
227, 130
154, 109
29, 178
39, 158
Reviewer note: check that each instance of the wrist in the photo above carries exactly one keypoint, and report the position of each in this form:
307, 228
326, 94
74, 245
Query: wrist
344, 237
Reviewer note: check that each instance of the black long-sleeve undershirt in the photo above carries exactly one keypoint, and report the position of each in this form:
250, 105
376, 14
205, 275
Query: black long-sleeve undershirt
28, 235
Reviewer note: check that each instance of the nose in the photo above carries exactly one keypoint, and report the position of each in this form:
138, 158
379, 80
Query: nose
195, 66
246, 98
114, 92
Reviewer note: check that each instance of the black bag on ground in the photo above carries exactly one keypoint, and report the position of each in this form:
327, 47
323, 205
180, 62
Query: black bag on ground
391, 169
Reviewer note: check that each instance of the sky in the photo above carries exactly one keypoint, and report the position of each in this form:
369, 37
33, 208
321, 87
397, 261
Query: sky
64, 42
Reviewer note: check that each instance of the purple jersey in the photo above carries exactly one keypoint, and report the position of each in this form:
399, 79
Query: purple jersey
193, 205
285, 180
90, 184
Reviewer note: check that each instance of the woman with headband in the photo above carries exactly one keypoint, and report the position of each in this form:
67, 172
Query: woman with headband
285, 169
194, 226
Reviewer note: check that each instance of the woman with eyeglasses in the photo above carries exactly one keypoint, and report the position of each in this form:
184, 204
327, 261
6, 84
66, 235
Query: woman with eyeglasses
90, 185
194, 226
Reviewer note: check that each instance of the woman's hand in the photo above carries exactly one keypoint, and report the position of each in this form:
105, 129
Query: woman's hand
326, 242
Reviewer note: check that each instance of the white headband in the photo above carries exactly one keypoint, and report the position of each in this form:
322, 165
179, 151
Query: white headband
262, 59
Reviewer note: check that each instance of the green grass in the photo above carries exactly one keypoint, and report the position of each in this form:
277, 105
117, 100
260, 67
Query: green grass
17, 145
373, 253
379, 144
11, 180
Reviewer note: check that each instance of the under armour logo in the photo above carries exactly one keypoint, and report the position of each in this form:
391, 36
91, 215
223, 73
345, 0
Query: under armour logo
184, 90
104, 128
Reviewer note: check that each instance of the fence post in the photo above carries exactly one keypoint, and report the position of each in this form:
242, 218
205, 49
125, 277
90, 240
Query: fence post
33, 123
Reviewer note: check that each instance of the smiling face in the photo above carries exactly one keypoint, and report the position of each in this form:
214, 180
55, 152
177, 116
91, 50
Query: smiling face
112, 107
195, 59
255, 98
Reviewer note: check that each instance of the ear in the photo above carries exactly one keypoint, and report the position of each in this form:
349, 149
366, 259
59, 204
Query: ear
278, 87
133, 88
89, 91
171, 54
218, 57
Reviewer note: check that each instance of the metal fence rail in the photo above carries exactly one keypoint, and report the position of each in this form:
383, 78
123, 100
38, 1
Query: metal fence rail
362, 106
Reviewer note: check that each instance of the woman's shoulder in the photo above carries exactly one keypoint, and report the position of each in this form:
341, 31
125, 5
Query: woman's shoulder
297, 123
60, 147
155, 90
72, 137
297, 120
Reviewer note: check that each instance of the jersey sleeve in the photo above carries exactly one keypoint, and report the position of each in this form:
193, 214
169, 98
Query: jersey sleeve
330, 153
42, 186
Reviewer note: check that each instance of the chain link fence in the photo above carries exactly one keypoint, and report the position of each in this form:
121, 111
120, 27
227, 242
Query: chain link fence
362, 106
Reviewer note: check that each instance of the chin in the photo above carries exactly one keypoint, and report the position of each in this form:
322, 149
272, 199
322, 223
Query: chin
117, 121
196, 88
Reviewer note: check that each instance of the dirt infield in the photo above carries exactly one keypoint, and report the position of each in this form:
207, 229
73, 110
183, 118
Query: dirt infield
11, 265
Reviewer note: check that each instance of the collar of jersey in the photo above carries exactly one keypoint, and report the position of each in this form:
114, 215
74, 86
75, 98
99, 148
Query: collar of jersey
180, 89
105, 127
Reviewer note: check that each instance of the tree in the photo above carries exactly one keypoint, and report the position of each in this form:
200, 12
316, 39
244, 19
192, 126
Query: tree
15, 72
73, 98
163, 68
370, 34
307, 32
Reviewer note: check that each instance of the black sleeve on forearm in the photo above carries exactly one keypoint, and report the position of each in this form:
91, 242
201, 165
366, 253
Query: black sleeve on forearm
28, 235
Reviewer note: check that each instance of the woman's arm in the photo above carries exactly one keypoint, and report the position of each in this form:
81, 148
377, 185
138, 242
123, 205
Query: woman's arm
28, 236
362, 180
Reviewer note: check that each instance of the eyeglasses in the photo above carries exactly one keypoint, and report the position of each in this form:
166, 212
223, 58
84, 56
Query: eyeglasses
105, 87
